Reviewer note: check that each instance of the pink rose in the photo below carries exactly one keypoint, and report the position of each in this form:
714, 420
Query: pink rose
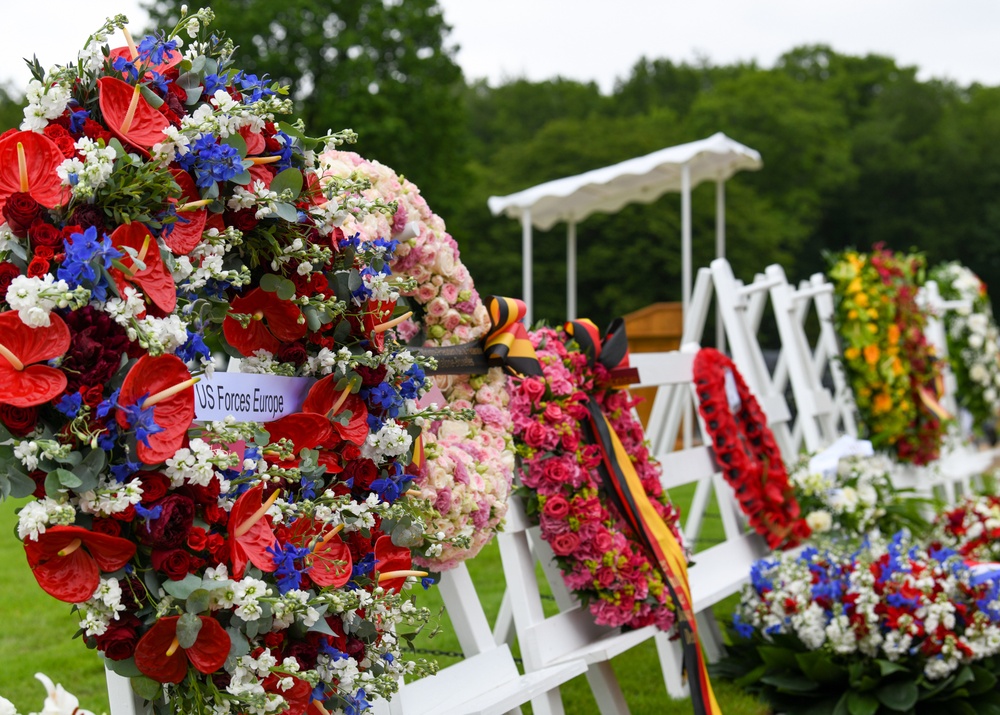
565, 544
534, 388
449, 292
451, 320
602, 542
557, 507
570, 441
553, 413
437, 307
537, 436
426, 293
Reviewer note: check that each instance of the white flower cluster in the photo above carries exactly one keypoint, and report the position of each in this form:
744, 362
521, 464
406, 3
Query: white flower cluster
159, 335
328, 362
45, 102
110, 497
85, 177
852, 500
389, 442
35, 298
258, 196
102, 608
36, 515
206, 262
128, 309
197, 464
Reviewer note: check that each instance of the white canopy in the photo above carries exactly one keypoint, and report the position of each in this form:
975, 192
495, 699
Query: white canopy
640, 180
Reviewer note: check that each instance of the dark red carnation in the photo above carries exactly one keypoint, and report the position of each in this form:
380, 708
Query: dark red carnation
106, 526
95, 131
175, 563
8, 272
20, 210
19, 421
97, 344
292, 352
244, 220
118, 641
170, 530
62, 138
89, 215
38, 267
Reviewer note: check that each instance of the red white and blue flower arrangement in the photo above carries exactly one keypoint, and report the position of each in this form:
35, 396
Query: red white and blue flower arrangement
152, 207
890, 628
601, 560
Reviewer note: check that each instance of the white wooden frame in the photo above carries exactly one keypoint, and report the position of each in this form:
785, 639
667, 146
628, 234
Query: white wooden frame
718, 572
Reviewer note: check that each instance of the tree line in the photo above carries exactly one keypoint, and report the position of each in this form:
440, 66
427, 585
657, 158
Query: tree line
857, 150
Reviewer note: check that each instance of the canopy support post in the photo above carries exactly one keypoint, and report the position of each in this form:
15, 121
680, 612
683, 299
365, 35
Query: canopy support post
571, 270
685, 241
720, 252
526, 266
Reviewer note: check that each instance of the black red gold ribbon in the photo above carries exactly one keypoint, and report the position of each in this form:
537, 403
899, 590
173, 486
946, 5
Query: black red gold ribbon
624, 488
611, 352
507, 344
932, 399
622, 484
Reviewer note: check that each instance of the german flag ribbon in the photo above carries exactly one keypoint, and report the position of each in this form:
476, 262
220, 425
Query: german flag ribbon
611, 352
507, 344
419, 459
622, 484
931, 398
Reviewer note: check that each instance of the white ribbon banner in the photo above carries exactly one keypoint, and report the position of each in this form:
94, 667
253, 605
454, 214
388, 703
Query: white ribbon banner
249, 398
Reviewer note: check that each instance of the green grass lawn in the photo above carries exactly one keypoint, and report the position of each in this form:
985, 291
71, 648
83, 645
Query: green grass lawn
37, 636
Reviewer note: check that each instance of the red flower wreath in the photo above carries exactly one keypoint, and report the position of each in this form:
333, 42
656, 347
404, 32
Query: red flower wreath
747, 453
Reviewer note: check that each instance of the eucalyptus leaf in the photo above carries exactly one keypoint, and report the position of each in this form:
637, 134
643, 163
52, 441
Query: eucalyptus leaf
237, 142
198, 601
20, 485
286, 289
900, 695
188, 627
242, 179
270, 282
145, 688
286, 212
183, 588
154, 100
290, 178
125, 668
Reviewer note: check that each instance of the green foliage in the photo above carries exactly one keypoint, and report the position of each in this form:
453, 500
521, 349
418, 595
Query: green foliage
798, 681
381, 68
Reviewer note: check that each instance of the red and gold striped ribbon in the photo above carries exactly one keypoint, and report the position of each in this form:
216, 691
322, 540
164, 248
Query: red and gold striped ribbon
507, 344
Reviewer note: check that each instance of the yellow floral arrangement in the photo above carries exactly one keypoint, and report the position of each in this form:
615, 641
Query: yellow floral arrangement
892, 368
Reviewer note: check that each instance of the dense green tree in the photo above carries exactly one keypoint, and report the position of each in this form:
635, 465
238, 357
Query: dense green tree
381, 68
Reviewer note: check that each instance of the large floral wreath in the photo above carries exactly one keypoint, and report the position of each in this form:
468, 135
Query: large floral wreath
600, 558
745, 448
469, 462
973, 342
892, 369
152, 206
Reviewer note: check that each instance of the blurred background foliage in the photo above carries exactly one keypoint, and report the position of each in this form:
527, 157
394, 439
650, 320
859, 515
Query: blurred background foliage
857, 150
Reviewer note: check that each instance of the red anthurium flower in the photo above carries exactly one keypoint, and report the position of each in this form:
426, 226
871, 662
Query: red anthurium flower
191, 216
67, 561
274, 321
330, 559
305, 431
164, 384
298, 696
154, 280
261, 173
159, 655
255, 141
28, 163
250, 534
128, 116
377, 320
392, 564
325, 399
22, 382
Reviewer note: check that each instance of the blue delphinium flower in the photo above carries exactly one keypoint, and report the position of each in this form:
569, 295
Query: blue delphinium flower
142, 420
284, 557
77, 120
149, 514
123, 471
210, 161
251, 87
358, 704
85, 255
744, 629
155, 49
70, 405
130, 72
194, 348
212, 84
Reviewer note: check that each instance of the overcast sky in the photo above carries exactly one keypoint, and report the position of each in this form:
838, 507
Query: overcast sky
601, 39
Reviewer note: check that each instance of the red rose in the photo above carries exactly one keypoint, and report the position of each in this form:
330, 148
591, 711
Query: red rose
216, 546
244, 220
45, 252
292, 352
93, 395
106, 526
170, 530
8, 272
38, 477
603, 541
556, 471
606, 577
197, 540
38, 267
128, 515
118, 641
556, 506
95, 131
215, 514
175, 563
534, 388
20, 210
565, 544
19, 421
537, 435
274, 639
154, 486
43, 233
570, 441
363, 472
319, 283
